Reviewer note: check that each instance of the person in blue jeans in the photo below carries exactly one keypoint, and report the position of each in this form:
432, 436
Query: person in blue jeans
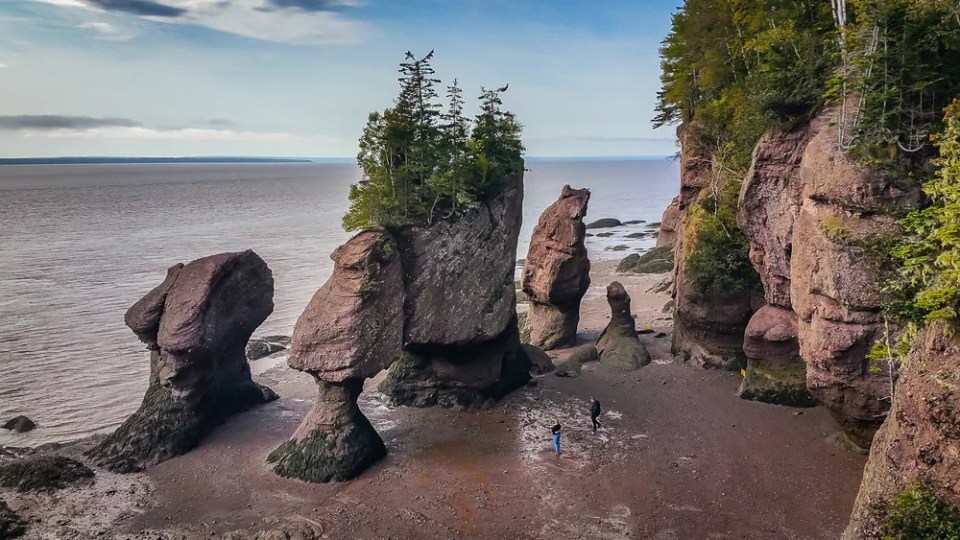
556, 437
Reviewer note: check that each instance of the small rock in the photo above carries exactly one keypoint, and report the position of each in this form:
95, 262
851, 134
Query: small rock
20, 424
604, 223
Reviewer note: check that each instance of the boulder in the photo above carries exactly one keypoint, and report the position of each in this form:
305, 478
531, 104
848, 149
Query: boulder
834, 276
540, 362
556, 273
196, 325
47, 472
351, 330
604, 223
919, 442
573, 365
11, 524
258, 348
619, 345
20, 424
775, 371
658, 260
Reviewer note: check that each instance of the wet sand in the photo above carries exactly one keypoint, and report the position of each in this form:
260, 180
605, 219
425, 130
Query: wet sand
679, 457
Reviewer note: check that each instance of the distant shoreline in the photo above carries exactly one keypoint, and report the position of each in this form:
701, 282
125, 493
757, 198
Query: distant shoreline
148, 160
107, 160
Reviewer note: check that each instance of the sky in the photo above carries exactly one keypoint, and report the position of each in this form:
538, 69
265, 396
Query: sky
299, 77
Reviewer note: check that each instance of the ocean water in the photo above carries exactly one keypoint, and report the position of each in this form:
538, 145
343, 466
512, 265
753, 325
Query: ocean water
80, 243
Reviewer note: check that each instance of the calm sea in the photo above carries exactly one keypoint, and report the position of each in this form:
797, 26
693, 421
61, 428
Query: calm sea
80, 243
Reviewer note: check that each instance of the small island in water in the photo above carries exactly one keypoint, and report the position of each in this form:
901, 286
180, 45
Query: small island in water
782, 365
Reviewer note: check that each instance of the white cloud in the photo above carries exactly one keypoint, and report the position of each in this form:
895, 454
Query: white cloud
2, 65
184, 134
107, 31
257, 19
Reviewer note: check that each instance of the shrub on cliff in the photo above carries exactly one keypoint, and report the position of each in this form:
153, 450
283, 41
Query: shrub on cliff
917, 514
420, 164
719, 262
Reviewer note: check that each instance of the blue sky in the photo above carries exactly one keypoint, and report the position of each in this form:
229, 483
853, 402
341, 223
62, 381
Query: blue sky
298, 77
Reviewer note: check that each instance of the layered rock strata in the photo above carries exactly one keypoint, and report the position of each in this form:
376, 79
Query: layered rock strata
196, 325
556, 273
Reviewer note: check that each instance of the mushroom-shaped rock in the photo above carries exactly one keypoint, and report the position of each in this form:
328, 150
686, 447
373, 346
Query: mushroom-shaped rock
775, 371
350, 331
460, 335
196, 325
619, 345
556, 273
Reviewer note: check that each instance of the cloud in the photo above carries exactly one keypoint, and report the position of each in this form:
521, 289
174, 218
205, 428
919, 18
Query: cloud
143, 8
49, 122
310, 5
88, 127
183, 134
282, 21
107, 31
2, 65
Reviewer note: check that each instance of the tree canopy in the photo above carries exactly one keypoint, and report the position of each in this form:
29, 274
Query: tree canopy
422, 163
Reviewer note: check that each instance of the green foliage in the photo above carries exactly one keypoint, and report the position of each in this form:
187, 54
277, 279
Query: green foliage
929, 253
918, 514
902, 61
719, 262
420, 164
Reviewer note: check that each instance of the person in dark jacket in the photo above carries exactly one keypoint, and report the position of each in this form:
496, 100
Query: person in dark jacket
595, 413
556, 437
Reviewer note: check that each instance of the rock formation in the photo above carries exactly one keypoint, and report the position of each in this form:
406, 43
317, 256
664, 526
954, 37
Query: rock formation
11, 524
604, 223
258, 348
619, 345
540, 362
43, 472
919, 443
556, 273
707, 330
435, 304
19, 424
658, 260
573, 365
461, 339
669, 224
770, 201
775, 371
834, 277
196, 325
351, 330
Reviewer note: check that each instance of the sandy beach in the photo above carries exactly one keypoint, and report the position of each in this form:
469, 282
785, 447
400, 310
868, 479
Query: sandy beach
679, 457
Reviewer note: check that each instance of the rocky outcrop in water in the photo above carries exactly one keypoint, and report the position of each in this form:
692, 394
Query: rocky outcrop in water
556, 273
834, 281
196, 325
919, 443
19, 424
258, 348
619, 345
436, 305
351, 330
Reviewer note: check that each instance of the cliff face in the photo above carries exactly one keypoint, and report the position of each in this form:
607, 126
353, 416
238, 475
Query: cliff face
920, 440
835, 282
810, 214
770, 200
707, 330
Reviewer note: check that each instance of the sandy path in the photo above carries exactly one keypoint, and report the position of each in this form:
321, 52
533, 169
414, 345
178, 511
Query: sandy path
679, 457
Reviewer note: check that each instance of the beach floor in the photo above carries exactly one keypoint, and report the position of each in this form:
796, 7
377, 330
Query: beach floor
679, 457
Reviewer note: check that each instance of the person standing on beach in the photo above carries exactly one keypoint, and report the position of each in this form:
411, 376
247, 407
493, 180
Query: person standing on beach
556, 437
595, 413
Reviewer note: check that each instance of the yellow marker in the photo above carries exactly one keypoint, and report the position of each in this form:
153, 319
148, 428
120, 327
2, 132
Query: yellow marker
743, 372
